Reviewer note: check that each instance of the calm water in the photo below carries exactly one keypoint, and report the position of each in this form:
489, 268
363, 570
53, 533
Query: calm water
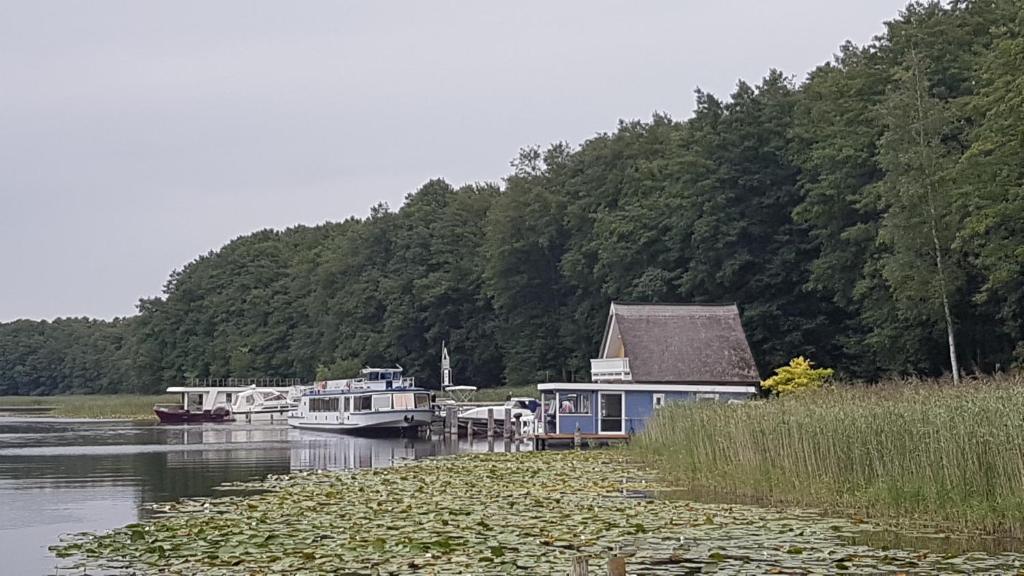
65, 476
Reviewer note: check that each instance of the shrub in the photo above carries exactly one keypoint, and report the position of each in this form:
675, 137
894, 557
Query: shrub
800, 374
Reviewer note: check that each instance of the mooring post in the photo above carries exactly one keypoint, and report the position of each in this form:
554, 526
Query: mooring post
469, 429
508, 423
455, 422
580, 567
490, 423
450, 421
617, 566
577, 438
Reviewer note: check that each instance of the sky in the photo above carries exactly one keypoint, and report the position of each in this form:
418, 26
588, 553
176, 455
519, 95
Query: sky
135, 136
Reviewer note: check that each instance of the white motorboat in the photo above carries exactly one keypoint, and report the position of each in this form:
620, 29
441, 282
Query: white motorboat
522, 410
379, 400
262, 405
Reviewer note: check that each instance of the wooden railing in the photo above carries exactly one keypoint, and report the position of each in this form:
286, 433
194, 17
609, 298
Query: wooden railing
604, 369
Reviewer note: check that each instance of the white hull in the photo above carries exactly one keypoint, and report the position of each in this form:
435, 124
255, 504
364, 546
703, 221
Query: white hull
377, 420
274, 415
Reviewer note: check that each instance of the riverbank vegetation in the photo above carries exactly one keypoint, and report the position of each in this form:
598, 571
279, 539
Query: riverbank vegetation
121, 406
868, 217
524, 513
910, 449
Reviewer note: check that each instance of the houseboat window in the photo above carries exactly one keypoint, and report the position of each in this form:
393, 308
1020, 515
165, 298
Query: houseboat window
323, 404
404, 401
422, 401
361, 404
348, 404
574, 403
707, 397
659, 400
381, 401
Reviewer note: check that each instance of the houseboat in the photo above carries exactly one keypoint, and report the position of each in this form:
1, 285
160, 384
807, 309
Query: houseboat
211, 402
651, 355
379, 400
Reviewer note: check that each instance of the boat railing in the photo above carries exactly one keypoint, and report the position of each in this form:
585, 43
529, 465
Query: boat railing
266, 382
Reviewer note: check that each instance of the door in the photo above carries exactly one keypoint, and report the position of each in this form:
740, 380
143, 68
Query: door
612, 410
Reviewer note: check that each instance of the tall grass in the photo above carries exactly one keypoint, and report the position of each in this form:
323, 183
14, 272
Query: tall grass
125, 406
915, 450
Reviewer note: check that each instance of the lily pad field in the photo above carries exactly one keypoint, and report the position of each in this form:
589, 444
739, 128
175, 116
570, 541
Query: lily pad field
525, 513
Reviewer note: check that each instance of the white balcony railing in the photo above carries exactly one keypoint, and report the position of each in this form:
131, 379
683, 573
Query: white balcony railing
608, 369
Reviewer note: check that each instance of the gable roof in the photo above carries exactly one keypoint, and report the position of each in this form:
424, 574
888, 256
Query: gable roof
682, 342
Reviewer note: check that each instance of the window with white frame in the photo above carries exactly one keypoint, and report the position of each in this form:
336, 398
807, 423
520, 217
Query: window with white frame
574, 403
659, 401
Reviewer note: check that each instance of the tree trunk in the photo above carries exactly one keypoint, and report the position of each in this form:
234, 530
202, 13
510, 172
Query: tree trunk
933, 225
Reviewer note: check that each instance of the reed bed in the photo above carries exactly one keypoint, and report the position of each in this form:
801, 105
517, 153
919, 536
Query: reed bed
120, 406
914, 450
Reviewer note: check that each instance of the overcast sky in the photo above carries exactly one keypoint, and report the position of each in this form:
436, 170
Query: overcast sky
136, 135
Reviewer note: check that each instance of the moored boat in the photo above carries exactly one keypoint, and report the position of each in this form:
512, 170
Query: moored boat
206, 403
522, 411
379, 400
262, 405
178, 414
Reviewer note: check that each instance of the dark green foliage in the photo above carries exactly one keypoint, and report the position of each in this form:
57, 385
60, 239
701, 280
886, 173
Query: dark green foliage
806, 204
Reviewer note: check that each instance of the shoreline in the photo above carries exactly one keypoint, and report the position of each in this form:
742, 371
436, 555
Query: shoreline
136, 407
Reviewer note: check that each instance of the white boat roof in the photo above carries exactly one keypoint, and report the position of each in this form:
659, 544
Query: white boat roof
466, 388
230, 389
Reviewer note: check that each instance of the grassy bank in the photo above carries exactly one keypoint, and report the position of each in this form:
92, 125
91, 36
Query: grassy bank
126, 406
499, 394
913, 450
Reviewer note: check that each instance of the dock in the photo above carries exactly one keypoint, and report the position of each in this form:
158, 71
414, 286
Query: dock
449, 423
540, 441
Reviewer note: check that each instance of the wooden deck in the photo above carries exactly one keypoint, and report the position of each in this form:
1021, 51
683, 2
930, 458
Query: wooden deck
540, 441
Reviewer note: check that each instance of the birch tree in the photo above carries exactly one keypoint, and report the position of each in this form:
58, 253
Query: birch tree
919, 225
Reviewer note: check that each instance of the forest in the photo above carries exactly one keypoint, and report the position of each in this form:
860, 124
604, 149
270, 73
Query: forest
869, 217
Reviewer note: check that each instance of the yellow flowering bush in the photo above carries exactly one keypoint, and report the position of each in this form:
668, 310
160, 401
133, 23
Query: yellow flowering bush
800, 374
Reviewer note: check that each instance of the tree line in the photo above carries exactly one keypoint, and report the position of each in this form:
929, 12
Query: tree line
870, 218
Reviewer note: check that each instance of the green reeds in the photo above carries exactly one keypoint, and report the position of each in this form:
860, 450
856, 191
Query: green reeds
500, 393
123, 406
908, 449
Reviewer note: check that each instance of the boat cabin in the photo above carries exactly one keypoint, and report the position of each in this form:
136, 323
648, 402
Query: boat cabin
651, 355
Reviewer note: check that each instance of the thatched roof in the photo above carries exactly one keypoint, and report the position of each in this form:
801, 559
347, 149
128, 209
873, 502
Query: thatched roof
682, 342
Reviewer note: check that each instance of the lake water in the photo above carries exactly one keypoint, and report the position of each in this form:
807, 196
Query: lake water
65, 476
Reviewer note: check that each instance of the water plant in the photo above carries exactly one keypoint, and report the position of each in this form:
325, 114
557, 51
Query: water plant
526, 513
912, 449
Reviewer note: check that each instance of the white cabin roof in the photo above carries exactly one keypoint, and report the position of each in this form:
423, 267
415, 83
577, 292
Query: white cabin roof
228, 389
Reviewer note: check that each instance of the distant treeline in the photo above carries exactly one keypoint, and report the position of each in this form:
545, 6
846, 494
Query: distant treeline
861, 218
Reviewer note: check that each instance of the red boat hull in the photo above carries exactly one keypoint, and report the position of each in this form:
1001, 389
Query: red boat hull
182, 416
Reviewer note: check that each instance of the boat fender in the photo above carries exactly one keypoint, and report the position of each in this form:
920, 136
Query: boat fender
407, 418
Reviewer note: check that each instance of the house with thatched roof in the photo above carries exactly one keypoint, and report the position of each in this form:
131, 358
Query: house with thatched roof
653, 354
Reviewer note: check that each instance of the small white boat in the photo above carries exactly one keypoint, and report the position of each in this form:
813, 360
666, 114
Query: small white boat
522, 410
261, 405
379, 400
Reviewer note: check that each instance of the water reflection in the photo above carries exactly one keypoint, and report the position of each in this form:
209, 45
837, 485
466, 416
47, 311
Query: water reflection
62, 476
